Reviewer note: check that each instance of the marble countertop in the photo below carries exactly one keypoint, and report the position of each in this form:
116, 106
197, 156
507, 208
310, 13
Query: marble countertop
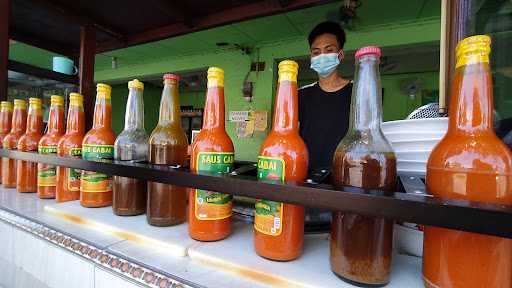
169, 250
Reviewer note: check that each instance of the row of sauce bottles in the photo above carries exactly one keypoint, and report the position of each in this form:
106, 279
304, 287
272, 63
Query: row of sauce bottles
470, 163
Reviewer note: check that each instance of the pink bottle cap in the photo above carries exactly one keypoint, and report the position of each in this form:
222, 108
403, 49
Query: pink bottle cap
170, 76
368, 50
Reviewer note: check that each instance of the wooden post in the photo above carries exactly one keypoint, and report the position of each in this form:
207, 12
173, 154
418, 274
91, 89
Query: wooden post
5, 10
87, 53
454, 27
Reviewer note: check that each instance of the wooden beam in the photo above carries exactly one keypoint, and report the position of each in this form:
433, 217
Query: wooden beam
35, 41
5, 11
227, 16
87, 53
79, 18
41, 73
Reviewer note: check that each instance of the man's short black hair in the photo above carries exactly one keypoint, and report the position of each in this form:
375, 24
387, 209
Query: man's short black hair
328, 27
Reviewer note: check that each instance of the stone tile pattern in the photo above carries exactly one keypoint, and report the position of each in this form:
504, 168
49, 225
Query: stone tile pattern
107, 261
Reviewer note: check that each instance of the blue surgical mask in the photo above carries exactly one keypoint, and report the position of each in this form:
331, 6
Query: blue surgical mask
325, 64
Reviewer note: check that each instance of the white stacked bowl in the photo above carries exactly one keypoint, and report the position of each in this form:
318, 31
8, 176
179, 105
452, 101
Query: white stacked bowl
413, 141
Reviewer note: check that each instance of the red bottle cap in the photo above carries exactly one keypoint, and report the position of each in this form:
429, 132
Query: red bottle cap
170, 76
368, 50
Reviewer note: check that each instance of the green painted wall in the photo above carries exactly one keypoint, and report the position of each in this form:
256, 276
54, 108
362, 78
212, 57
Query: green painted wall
236, 66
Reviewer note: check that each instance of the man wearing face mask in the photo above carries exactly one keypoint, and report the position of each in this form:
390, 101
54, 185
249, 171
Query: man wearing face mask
324, 106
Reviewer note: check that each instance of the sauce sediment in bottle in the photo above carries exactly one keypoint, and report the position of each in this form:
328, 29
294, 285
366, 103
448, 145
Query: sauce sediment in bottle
361, 246
168, 146
130, 194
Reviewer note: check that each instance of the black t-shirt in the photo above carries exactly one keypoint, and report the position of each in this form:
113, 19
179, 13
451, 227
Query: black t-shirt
324, 120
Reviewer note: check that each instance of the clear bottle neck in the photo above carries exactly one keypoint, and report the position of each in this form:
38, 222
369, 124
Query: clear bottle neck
134, 116
214, 117
366, 102
76, 121
286, 115
170, 105
102, 112
472, 104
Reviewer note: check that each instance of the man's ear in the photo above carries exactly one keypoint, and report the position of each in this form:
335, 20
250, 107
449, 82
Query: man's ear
341, 55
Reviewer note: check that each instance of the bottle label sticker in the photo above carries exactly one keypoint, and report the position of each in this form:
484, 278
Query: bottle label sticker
73, 175
96, 182
47, 174
213, 205
268, 217
91, 152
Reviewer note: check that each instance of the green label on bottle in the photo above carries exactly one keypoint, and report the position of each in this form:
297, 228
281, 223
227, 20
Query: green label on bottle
75, 152
213, 205
93, 181
46, 174
93, 152
268, 217
47, 149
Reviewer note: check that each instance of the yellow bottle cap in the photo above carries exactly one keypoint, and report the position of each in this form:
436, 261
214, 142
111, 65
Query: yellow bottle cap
474, 49
6, 105
35, 101
288, 70
103, 90
76, 97
215, 77
136, 84
19, 103
57, 100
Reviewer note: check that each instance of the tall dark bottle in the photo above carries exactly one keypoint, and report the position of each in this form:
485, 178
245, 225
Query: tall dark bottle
130, 194
361, 246
167, 204
470, 163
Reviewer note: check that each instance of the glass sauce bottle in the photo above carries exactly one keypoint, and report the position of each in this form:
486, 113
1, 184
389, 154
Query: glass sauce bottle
47, 174
26, 171
18, 127
361, 246
283, 157
5, 125
130, 194
98, 145
168, 146
70, 145
469, 163
212, 151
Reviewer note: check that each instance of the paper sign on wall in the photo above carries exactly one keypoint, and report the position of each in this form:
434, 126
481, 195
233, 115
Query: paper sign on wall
260, 120
238, 116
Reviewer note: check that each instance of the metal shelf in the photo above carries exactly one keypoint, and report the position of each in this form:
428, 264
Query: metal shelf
422, 209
